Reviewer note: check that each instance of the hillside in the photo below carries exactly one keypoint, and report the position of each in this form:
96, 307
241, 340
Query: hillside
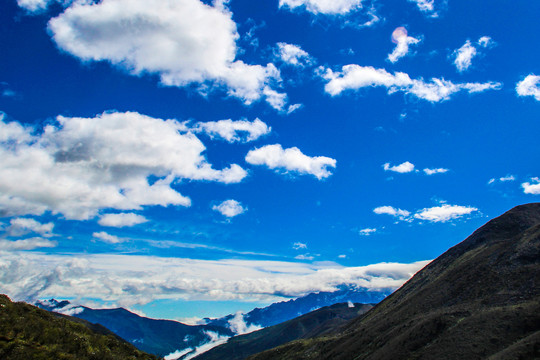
479, 300
159, 337
315, 323
27, 332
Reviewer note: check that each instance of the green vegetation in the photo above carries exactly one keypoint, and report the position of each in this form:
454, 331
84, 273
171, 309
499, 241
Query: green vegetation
27, 332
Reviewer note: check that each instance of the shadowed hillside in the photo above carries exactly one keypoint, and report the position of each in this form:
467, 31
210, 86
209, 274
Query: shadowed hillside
27, 332
315, 323
479, 300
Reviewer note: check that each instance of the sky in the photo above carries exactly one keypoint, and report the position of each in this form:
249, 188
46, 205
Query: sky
189, 159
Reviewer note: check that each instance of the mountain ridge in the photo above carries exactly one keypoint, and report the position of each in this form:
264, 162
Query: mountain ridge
479, 299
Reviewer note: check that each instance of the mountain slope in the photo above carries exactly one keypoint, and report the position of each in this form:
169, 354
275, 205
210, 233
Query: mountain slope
160, 337
27, 332
315, 323
480, 299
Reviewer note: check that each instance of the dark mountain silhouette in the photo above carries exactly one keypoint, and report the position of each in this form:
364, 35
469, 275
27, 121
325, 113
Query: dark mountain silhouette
27, 332
479, 300
159, 337
315, 323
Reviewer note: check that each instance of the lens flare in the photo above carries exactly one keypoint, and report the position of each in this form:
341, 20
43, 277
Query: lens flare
399, 33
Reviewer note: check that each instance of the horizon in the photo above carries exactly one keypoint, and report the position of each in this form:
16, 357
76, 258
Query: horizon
188, 159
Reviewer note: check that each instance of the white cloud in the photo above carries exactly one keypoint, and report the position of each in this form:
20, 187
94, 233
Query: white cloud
392, 211
275, 99
428, 171
530, 86
532, 187
293, 55
234, 131
354, 77
119, 279
464, 55
34, 5
230, 208
108, 238
367, 231
239, 326
215, 339
426, 6
486, 41
121, 219
403, 168
304, 257
444, 213
291, 159
23, 226
82, 165
26, 244
330, 7
299, 245
402, 41
506, 178
182, 41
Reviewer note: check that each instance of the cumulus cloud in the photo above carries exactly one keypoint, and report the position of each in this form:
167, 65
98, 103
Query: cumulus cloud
530, 86
367, 231
121, 220
532, 187
79, 166
292, 55
183, 42
299, 245
119, 279
34, 5
486, 41
355, 77
403, 168
428, 171
329, 7
291, 159
233, 131
108, 238
392, 211
402, 41
26, 244
230, 208
23, 226
444, 213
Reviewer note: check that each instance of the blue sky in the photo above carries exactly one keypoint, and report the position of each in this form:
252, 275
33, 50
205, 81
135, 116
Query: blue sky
189, 158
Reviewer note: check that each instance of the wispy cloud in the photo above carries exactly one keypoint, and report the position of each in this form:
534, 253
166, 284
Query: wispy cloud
291, 160
464, 55
442, 213
334, 7
402, 41
293, 55
428, 171
403, 168
121, 220
367, 231
506, 178
108, 238
392, 211
355, 77
233, 131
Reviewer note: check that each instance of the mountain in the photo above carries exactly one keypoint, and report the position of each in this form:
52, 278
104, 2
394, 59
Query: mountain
159, 337
479, 300
287, 310
27, 332
315, 323
163, 337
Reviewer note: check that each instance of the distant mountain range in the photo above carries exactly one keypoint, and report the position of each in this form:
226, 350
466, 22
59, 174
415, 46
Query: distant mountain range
163, 337
315, 323
479, 300
27, 332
